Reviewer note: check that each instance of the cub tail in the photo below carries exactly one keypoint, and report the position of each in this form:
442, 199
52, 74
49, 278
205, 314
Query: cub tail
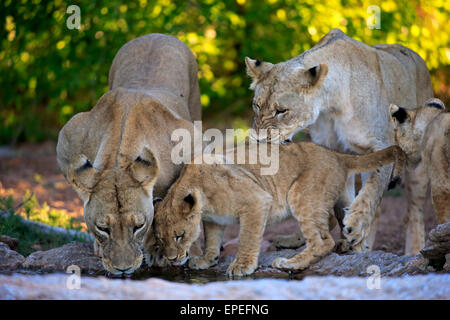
378, 159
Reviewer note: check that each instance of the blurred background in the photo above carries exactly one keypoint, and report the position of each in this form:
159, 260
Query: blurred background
50, 72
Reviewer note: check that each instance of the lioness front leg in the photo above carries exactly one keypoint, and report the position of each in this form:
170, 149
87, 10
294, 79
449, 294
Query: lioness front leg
251, 231
359, 217
213, 240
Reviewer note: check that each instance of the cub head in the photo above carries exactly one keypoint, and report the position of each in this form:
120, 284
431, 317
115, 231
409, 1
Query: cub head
118, 207
177, 222
287, 98
410, 125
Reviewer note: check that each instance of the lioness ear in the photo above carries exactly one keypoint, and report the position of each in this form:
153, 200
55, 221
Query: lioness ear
256, 68
82, 176
398, 114
314, 76
192, 203
435, 103
144, 169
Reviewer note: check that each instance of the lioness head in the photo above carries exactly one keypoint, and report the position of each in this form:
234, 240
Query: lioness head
410, 125
286, 98
118, 207
177, 222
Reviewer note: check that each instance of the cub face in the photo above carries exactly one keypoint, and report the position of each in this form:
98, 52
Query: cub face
286, 98
118, 208
410, 125
177, 223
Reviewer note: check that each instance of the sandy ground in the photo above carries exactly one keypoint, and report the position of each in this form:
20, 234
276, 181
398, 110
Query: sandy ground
33, 167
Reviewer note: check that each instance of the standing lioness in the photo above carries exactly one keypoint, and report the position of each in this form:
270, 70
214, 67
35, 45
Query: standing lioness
307, 185
117, 156
341, 90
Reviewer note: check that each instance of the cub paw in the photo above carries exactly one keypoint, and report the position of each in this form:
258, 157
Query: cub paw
201, 262
239, 269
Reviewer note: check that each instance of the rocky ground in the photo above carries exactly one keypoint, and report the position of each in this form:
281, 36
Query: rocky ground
347, 276
344, 276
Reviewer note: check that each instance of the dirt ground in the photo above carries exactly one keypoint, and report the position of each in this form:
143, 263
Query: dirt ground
33, 167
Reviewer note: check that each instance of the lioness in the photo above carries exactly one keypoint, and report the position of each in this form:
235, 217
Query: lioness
341, 90
117, 156
424, 135
307, 185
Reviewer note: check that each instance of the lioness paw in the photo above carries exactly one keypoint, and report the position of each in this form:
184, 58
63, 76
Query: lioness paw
239, 269
201, 262
356, 229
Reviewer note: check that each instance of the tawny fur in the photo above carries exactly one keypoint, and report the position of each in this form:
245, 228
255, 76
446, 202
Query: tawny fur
117, 156
307, 185
340, 90
424, 135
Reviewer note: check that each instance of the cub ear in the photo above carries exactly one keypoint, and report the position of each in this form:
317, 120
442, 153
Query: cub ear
256, 68
144, 169
435, 103
398, 114
82, 176
192, 203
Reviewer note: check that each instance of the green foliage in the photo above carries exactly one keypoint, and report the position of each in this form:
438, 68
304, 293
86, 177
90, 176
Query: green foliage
45, 214
49, 72
13, 226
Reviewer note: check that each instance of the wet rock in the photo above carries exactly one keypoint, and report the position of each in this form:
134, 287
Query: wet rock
433, 286
438, 244
13, 243
447, 263
9, 259
58, 259
340, 265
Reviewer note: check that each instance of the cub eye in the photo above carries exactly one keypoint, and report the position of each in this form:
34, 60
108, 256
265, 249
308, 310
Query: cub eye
103, 229
137, 228
178, 238
280, 111
256, 105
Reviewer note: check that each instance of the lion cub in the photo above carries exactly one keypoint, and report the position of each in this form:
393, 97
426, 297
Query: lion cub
424, 135
309, 181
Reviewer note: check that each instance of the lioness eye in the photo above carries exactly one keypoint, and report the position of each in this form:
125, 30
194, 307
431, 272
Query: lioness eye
178, 238
137, 228
280, 111
104, 229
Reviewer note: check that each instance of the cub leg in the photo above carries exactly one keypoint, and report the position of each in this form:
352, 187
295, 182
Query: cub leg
213, 240
416, 190
252, 225
441, 203
312, 210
